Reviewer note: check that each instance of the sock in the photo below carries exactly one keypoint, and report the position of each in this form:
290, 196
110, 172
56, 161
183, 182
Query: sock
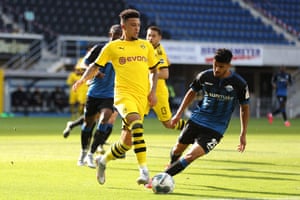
86, 135
107, 132
173, 157
77, 122
100, 136
139, 144
180, 124
177, 167
106, 129
116, 151
97, 140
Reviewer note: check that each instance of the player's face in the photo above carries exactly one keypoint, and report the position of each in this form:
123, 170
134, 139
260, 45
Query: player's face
132, 28
221, 70
153, 37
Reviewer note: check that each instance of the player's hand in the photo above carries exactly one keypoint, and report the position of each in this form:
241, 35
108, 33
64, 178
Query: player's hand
175, 120
242, 145
152, 99
77, 84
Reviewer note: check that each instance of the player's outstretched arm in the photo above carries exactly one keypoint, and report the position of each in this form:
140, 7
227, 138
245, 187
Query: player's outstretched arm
91, 71
188, 98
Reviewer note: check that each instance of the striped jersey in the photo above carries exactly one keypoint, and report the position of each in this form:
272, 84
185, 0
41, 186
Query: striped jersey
220, 97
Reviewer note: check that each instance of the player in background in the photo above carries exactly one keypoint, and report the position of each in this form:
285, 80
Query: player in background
99, 102
94, 53
222, 89
132, 58
280, 82
162, 108
99, 105
76, 99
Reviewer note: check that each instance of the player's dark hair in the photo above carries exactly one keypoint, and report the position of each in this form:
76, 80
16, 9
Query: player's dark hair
155, 28
129, 13
223, 55
115, 31
116, 28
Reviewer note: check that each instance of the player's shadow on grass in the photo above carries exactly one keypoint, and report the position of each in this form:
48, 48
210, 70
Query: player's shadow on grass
231, 190
243, 177
209, 196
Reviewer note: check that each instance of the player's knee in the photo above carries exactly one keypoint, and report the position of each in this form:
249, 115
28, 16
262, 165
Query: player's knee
136, 124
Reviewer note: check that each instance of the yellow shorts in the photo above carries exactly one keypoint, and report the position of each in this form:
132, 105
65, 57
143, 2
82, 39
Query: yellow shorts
162, 108
126, 104
80, 96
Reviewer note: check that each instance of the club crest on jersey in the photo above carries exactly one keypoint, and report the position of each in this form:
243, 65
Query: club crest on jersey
229, 88
143, 46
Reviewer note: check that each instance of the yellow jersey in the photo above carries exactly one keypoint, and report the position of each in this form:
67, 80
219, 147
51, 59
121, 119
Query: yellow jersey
163, 63
131, 61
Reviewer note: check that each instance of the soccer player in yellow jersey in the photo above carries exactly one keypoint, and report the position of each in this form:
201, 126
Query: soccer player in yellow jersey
77, 97
132, 58
162, 108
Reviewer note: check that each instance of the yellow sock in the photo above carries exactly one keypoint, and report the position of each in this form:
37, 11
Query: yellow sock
139, 142
180, 124
116, 151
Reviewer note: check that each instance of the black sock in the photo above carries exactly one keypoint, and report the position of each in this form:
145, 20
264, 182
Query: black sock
174, 157
77, 122
177, 167
85, 139
107, 134
97, 140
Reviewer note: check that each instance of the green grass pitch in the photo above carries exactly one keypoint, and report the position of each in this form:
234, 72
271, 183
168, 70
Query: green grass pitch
36, 162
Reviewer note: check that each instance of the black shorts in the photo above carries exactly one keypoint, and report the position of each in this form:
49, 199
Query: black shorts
281, 99
205, 137
94, 105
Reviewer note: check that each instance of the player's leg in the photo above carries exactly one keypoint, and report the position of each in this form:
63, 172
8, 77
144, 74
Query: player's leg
131, 112
278, 110
103, 128
184, 140
283, 111
86, 135
177, 151
105, 124
206, 140
176, 167
71, 124
116, 151
87, 129
108, 132
163, 112
111, 121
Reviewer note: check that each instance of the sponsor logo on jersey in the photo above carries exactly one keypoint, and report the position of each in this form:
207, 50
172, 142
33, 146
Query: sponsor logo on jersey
124, 60
218, 96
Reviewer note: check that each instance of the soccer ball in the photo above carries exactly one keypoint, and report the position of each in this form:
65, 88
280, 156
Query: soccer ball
163, 183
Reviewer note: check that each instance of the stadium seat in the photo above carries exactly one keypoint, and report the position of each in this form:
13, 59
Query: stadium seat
217, 20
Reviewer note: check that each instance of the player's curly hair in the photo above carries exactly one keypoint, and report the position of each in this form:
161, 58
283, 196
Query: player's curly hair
223, 55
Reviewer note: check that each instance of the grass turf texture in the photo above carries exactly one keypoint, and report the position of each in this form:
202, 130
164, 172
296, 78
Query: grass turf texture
36, 162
